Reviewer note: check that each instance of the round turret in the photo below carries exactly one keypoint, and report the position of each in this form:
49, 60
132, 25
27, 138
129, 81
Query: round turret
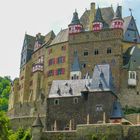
117, 21
98, 22
75, 26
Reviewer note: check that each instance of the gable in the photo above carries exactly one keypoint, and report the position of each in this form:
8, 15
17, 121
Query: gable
131, 31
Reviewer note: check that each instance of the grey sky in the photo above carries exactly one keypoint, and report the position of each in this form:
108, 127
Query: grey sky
33, 16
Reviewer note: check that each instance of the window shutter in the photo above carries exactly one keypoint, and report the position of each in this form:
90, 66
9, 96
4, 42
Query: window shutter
56, 60
63, 59
53, 60
63, 70
49, 62
55, 72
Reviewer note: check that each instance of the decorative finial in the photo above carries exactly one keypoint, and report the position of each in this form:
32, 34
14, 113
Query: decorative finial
130, 11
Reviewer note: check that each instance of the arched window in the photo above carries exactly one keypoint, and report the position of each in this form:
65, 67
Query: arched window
75, 100
132, 75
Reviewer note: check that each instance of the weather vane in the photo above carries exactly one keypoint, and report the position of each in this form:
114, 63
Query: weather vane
130, 11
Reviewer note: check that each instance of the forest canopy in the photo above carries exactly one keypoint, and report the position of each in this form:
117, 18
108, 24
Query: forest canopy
5, 87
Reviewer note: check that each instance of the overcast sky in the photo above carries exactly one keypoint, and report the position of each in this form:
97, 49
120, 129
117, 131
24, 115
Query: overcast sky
33, 16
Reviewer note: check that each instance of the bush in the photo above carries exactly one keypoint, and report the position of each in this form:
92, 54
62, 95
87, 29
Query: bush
20, 134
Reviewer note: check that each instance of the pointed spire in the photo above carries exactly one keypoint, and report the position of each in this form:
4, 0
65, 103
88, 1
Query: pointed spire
75, 26
37, 122
75, 19
118, 14
98, 16
117, 112
117, 21
75, 65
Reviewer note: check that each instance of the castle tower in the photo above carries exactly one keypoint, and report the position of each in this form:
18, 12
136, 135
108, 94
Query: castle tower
75, 69
98, 21
27, 49
75, 26
117, 21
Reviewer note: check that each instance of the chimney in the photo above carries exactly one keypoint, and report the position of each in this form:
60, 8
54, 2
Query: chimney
92, 15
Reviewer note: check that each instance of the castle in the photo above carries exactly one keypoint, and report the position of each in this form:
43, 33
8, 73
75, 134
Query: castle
53, 65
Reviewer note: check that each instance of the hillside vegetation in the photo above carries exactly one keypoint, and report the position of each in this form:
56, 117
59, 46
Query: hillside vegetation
5, 87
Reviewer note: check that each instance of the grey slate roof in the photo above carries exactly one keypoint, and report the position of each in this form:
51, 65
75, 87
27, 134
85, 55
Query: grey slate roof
62, 36
107, 15
37, 122
75, 66
77, 86
98, 16
126, 22
117, 112
49, 37
75, 19
102, 78
84, 20
132, 58
30, 41
64, 86
118, 14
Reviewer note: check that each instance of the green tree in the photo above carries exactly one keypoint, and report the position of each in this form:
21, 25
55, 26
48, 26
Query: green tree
20, 134
5, 87
4, 126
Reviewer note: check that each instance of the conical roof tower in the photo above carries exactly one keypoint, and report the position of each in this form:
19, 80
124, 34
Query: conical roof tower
75, 26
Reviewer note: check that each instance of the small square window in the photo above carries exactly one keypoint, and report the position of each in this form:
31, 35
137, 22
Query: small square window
56, 102
99, 108
83, 65
85, 53
63, 48
108, 50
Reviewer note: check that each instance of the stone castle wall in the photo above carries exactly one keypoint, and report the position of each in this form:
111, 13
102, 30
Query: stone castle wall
87, 132
24, 122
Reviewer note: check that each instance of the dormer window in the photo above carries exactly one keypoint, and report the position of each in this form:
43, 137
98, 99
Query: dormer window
59, 91
70, 91
100, 85
101, 74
